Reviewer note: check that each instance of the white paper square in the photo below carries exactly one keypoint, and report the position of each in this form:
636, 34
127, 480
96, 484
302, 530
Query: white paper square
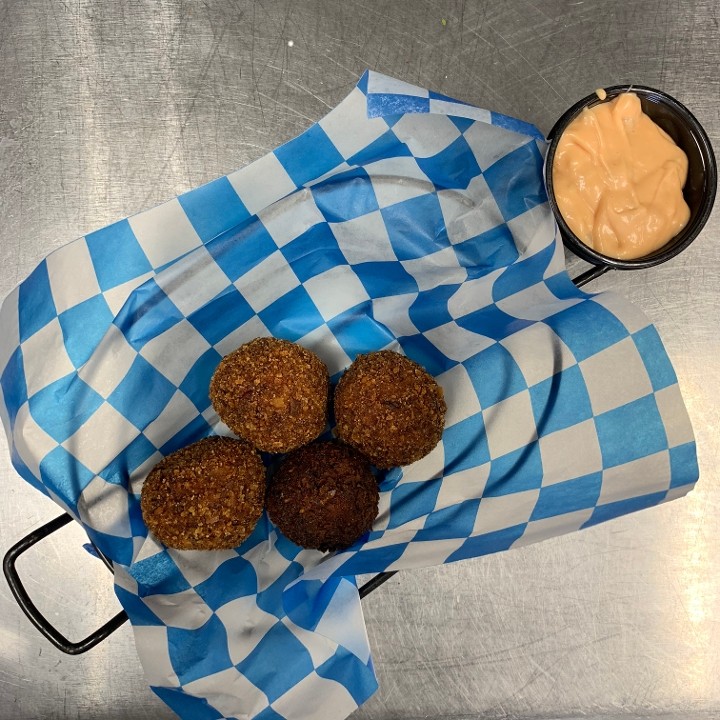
364, 239
631, 316
315, 694
45, 358
348, 126
393, 312
424, 134
456, 342
535, 303
538, 352
473, 295
124, 580
229, 692
173, 418
674, 416
9, 326
319, 649
151, 643
504, 511
86, 444
267, 282
460, 396
469, 212
644, 476
489, 143
342, 613
174, 352
194, 281
291, 217
464, 485
72, 275
31, 442
439, 268
550, 527
445, 107
137, 476
109, 364
117, 296
427, 468
185, 610
570, 453
323, 343
335, 291
198, 565
246, 626
273, 563
510, 424
398, 179
422, 554
164, 233
383, 518
249, 330
615, 376
383, 84
261, 183
531, 231
105, 505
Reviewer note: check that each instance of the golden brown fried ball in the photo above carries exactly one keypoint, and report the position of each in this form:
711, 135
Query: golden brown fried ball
272, 393
389, 408
207, 496
323, 496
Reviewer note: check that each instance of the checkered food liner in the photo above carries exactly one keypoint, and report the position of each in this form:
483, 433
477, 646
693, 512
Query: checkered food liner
402, 220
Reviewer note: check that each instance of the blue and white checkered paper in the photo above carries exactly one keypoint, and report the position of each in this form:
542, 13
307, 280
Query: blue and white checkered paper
402, 220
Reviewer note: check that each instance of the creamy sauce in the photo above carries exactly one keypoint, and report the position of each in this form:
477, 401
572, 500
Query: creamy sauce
618, 180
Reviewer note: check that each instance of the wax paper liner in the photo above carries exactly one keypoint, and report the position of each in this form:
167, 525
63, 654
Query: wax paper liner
402, 220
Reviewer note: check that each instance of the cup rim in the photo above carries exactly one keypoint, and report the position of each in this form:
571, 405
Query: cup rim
688, 233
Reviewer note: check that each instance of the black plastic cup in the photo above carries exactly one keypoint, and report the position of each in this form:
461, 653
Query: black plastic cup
699, 191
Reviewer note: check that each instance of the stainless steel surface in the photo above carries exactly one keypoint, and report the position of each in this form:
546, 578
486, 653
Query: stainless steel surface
109, 108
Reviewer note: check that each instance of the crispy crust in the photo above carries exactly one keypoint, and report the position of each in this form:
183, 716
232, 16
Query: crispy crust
207, 496
323, 496
389, 408
272, 393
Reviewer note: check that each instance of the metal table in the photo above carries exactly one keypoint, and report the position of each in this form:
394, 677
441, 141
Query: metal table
109, 108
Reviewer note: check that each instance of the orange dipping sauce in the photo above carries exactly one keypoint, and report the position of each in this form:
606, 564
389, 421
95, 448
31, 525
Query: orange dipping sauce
618, 180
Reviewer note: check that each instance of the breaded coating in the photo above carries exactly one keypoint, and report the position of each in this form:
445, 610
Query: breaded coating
207, 496
323, 496
272, 393
389, 408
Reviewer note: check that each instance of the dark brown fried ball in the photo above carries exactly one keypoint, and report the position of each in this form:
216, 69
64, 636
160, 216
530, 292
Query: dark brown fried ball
272, 393
323, 496
389, 408
207, 496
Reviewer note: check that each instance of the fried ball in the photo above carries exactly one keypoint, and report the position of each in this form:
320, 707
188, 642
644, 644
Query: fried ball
272, 393
323, 496
207, 496
389, 408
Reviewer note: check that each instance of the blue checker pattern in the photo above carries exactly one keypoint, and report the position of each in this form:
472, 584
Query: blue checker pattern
345, 196
117, 256
36, 306
63, 405
268, 603
214, 207
145, 382
416, 227
313, 252
83, 327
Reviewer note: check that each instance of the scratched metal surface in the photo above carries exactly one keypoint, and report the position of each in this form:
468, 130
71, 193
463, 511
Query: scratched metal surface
109, 108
